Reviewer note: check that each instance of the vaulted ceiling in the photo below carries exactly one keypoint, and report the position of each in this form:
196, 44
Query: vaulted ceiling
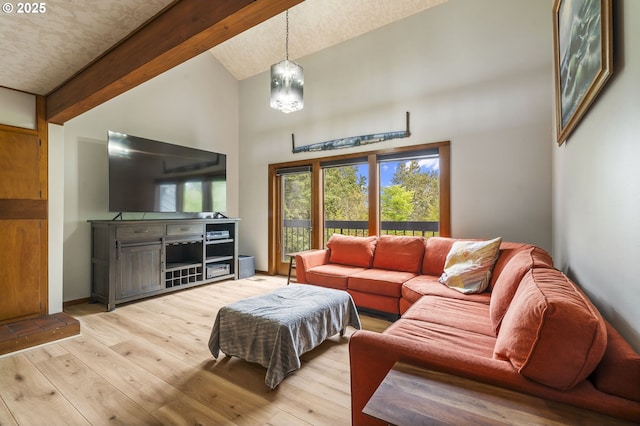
82, 52
314, 25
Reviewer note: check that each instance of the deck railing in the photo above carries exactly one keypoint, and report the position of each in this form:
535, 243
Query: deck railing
297, 232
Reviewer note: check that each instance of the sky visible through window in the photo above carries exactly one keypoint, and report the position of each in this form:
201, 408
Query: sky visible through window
388, 168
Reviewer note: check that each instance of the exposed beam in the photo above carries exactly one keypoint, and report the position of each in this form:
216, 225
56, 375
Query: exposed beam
182, 31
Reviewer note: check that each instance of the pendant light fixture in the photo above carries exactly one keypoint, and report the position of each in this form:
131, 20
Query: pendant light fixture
287, 81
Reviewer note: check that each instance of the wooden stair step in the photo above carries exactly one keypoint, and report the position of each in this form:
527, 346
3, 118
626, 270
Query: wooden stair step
25, 334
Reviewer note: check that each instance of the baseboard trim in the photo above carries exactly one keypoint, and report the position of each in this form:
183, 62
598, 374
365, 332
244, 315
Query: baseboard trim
76, 302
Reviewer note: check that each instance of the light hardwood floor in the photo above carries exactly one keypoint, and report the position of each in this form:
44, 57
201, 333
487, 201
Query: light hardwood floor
148, 363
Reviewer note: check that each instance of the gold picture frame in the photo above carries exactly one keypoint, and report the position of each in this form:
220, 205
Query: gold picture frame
583, 58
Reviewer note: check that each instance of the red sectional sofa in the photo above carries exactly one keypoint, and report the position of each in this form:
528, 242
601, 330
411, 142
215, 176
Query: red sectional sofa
532, 330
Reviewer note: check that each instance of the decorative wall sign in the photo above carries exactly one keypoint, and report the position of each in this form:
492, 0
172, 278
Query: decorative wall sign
583, 57
351, 141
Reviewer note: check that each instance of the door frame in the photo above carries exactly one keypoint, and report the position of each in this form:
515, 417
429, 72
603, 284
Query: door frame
275, 264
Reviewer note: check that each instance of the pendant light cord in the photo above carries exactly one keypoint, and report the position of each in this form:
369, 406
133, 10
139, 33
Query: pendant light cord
287, 36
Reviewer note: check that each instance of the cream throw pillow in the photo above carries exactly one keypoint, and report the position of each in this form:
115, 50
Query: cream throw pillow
469, 264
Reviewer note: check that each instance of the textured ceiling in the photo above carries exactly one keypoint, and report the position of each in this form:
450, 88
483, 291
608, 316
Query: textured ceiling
313, 25
38, 52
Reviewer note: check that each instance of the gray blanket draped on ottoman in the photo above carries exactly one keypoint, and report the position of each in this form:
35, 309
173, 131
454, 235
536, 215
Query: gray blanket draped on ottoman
275, 329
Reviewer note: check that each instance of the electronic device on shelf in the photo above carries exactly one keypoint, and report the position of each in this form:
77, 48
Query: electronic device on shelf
216, 270
217, 235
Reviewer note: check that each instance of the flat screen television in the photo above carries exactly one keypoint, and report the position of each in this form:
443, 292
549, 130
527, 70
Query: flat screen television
152, 176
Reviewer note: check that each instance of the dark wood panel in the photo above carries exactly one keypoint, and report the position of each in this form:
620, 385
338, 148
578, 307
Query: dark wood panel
179, 33
23, 209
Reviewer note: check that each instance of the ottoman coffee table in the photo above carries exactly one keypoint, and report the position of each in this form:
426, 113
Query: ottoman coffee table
275, 329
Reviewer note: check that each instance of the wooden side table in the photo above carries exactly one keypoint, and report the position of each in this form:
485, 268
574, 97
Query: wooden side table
410, 395
292, 256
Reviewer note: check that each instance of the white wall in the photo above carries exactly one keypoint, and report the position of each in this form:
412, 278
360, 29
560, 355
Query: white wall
194, 104
596, 209
476, 73
56, 216
17, 108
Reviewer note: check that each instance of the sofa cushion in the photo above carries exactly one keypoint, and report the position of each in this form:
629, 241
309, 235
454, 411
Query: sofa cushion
460, 314
435, 254
428, 285
551, 333
618, 373
510, 276
507, 250
442, 338
379, 281
469, 264
375, 302
331, 275
399, 253
349, 250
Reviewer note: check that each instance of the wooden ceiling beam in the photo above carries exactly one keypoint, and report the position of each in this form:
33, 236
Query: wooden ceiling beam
182, 31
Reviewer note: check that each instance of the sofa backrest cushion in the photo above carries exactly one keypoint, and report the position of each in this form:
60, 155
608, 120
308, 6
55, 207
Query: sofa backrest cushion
469, 264
435, 255
509, 278
507, 250
619, 371
349, 250
551, 333
399, 253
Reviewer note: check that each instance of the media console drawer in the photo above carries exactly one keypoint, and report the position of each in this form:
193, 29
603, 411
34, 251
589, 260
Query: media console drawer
185, 229
139, 231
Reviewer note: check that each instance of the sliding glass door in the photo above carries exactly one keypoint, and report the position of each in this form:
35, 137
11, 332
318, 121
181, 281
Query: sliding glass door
294, 215
400, 191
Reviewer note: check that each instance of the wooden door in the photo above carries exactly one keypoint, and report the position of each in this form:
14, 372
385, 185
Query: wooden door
23, 220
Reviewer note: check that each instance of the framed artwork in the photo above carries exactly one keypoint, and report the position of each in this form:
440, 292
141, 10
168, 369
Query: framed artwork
583, 58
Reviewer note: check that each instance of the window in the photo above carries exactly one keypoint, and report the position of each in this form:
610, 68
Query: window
345, 198
410, 193
193, 196
192, 199
167, 194
401, 191
218, 194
